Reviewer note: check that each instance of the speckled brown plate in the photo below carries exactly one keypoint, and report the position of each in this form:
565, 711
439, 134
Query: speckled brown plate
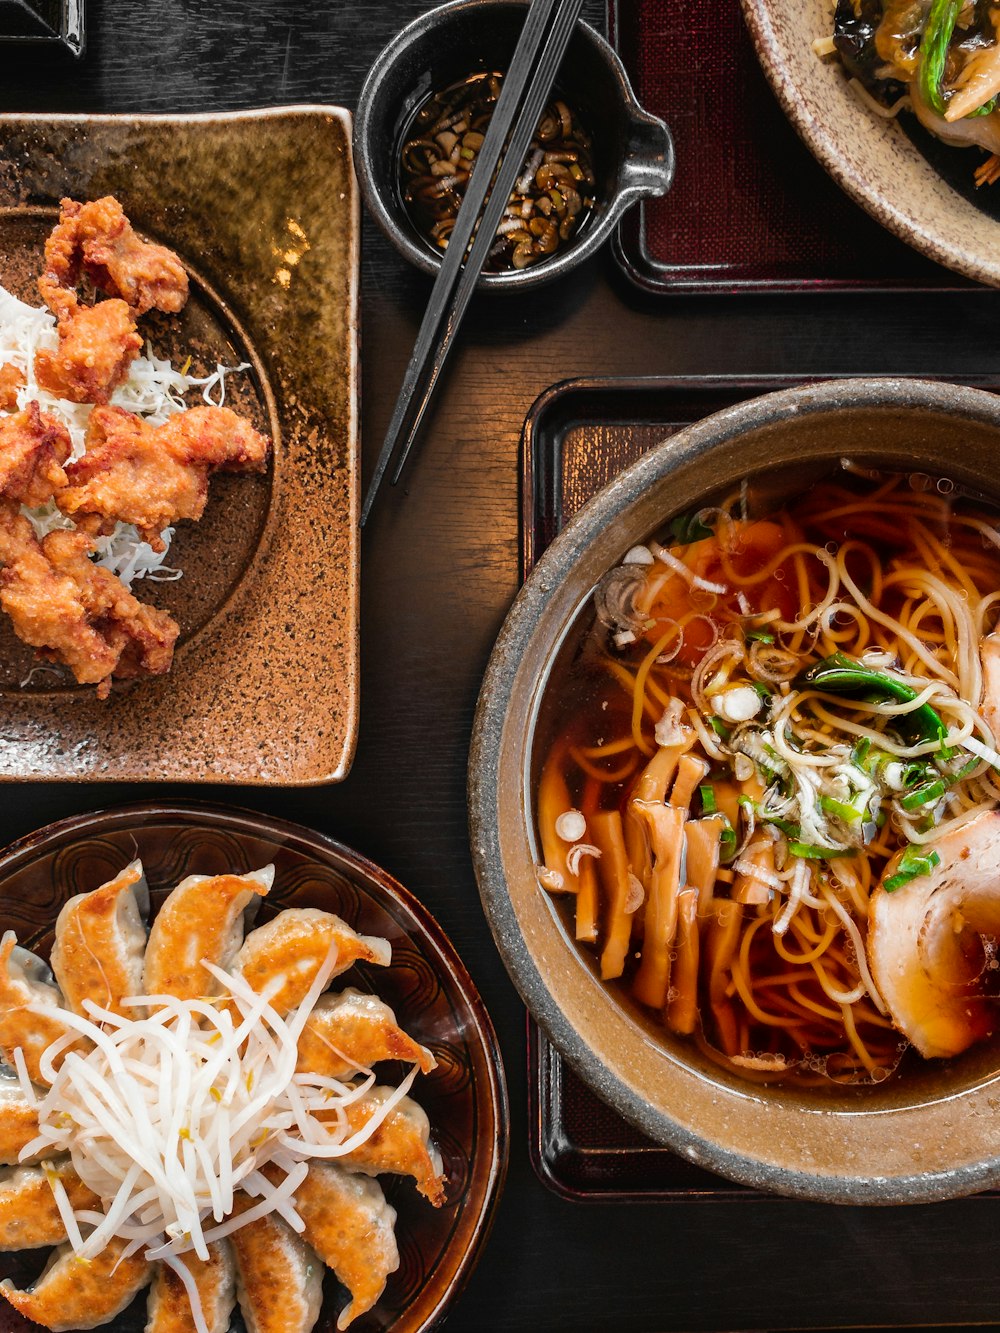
909, 181
426, 984
262, 207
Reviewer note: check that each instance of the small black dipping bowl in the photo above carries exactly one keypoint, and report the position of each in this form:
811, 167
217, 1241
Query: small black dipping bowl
632, 151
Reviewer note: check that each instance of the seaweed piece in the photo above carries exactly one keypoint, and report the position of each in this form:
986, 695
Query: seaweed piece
854, 32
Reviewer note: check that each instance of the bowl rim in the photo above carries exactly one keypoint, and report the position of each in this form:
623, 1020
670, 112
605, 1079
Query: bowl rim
486, 777
894, 211
626, 192
23, 850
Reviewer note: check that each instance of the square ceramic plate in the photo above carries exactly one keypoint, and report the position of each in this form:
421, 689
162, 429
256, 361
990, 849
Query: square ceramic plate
262, 207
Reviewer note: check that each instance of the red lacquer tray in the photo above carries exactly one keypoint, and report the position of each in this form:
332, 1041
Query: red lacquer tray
749, 209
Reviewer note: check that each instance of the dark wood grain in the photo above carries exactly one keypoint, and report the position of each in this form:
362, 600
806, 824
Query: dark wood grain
440, 566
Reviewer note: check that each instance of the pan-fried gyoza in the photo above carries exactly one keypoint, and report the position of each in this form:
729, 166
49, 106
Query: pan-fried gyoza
267, 1149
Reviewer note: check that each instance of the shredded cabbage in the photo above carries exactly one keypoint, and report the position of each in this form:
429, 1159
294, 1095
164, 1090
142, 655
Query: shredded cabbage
154, 390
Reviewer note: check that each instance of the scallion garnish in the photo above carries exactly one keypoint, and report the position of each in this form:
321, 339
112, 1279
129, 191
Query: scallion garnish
840, 809
915, 861
810, 851
758, 636
923, 795
708, 802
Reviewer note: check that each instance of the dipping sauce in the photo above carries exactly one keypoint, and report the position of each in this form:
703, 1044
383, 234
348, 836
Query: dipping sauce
553, 195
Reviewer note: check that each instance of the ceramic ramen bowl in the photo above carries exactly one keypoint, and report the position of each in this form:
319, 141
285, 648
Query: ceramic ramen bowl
930, 1133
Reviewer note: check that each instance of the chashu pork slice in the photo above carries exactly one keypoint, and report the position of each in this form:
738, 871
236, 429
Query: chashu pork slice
925, 941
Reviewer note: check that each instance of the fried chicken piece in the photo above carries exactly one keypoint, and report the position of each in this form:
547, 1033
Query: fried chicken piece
11, 380
99, 238
97, 344
74, 612
33, 448
152, 476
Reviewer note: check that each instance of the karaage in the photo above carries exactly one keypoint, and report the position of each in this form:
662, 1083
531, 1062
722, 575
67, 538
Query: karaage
73, 611
151, 476
97, 344
11, 380
33, 448
98, 238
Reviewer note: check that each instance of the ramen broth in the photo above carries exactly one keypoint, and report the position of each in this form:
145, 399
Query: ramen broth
765, 722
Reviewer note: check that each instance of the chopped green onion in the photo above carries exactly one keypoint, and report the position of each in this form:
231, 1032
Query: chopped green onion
758, 636
915, 861
923, 795
708, 802
860, 753
764, 815
764, 691
727, 841
809, 851
720, 728
839, 809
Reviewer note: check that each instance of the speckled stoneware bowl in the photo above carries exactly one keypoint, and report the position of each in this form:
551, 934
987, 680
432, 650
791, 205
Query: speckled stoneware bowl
912, 183
262, 207
931, 1135
633, 152
426, 984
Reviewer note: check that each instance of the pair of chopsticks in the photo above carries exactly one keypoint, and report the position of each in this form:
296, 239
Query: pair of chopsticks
523, 95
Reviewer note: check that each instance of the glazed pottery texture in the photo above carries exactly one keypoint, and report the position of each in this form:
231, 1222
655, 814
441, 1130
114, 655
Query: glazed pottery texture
930, 1135
918, 188
426, 984
262, 208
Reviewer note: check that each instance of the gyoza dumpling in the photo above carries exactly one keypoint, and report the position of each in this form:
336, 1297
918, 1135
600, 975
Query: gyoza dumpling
100, 938
169, 1306
24, 981
400, 1145
29, 1214
350, 1226
72, 1295
201, 919
352, 1031
279, 1280
18, 1121
294, 946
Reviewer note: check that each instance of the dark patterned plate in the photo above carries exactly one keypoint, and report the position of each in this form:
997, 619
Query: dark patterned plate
426, 984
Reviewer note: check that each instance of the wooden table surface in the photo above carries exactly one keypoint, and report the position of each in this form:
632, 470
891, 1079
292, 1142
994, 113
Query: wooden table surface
440, 567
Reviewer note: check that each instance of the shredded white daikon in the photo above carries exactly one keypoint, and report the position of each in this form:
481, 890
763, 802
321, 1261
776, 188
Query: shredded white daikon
154, 390
171, 1111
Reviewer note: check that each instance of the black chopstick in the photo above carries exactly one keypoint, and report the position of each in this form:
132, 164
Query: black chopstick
527, 84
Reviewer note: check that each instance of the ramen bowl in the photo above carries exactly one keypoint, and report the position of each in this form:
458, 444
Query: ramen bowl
931, 1132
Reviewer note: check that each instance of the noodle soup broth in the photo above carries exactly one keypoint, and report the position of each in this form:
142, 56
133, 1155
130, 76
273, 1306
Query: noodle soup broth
768, 737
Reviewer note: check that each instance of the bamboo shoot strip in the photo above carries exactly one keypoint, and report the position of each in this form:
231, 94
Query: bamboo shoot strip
703, 837
666, 829
588, 901
691, 769
682, 1002
609, 836
723, 936
553, 800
